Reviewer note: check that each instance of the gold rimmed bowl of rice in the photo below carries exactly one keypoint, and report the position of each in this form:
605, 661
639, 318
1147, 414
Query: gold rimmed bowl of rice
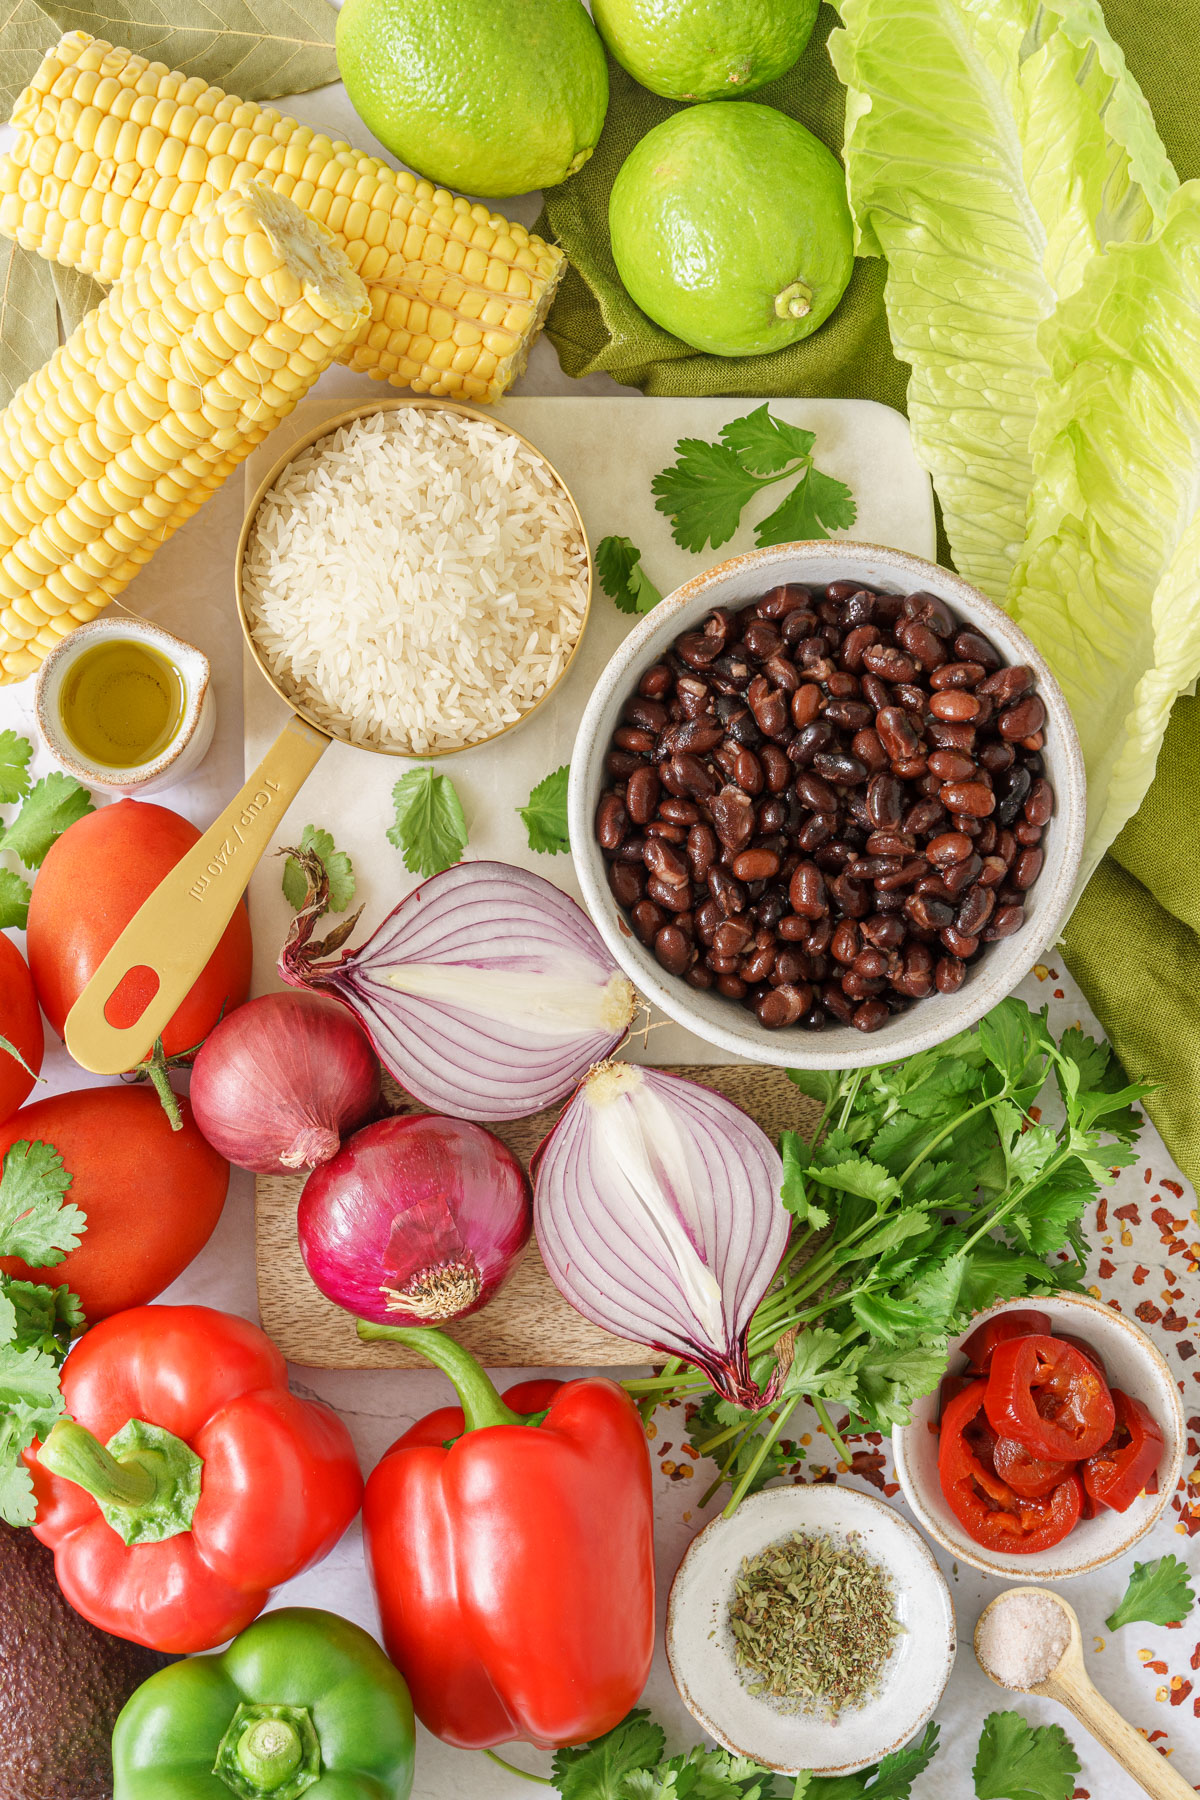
413, 576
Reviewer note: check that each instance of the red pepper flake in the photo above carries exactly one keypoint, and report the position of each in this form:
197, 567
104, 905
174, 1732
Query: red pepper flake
1129, 1213
891, 1489
1102, 1214
1173, 1321
869, 1465
1147, 1312
1058, 994
1140, 1274
1035, 1113
1180, 1690
874, 1437
1147, 1176
1173, 1187
689, 1450
1107, 1269
1160, 1668
1081, 1794
1185, 1350
1195, 1661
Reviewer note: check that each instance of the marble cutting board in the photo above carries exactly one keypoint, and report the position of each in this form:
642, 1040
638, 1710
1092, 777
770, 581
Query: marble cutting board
607, 451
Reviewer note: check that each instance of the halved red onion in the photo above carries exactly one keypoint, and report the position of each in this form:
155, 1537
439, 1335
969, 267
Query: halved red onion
658, 1214
487, 992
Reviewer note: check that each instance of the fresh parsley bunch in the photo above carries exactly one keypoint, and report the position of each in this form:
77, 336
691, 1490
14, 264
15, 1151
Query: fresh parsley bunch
931, 1189
36, 1322
627, 1763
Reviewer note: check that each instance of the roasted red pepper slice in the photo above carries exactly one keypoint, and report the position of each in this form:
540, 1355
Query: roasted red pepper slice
1120, 1469
1050, 1397
1084, 1349
984, 1504
1031, 1476
1023, 1322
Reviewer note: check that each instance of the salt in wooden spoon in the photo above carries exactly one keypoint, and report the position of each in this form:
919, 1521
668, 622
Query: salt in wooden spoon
1070, 1684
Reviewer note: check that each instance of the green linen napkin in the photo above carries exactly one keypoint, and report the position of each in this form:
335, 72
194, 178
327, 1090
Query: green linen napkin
1133, 943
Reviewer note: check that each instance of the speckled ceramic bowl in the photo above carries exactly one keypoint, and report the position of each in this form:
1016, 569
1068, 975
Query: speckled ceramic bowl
1134, 1365
699, 1643
710, 1015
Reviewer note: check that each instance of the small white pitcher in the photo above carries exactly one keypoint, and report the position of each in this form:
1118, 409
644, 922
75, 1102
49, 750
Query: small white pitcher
186, 750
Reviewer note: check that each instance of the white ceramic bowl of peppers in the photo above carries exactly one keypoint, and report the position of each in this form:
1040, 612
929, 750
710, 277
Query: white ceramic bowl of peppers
723, 1022
1131, 1363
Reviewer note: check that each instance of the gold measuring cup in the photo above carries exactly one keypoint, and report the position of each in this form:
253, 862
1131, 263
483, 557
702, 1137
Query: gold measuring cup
175, 931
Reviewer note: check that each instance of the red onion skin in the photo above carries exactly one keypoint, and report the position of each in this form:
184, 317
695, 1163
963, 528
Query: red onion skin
411, 1195
280, 1081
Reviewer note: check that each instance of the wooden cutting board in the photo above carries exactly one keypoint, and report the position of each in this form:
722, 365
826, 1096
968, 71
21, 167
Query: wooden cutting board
527, 1325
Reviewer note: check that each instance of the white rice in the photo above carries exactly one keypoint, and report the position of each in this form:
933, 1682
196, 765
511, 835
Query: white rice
417, 580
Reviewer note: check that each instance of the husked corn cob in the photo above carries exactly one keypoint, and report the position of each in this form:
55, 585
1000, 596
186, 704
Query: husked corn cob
115, 152
157, 395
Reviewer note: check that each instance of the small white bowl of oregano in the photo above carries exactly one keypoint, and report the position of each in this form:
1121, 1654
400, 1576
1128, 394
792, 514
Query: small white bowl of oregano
811, 1631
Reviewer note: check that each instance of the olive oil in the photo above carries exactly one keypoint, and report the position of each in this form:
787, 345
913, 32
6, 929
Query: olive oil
121, 703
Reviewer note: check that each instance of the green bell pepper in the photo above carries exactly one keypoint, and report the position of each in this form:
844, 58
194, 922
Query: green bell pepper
301, 1703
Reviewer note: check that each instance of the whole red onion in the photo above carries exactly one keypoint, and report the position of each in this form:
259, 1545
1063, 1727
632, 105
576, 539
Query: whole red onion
416, 1220
280, 1081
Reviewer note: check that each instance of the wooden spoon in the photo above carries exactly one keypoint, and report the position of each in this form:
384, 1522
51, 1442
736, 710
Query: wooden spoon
1071, 1685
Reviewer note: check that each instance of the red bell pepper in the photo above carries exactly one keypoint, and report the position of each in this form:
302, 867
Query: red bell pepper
513, 1556
1050, 1397
187, 1481
1120, 1469
988, 1509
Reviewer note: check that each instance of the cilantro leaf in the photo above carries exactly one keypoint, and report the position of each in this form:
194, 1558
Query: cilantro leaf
703, 493
620, 574
820, 1369
10, 1049
15, 896
34, 1224
339, 872
42, 1318
1158, 1593
430, 827
596, 1771
816, 506
890, 1779
55, 802
1018, 1761
889, 1380
29, 1381
17, 1504
819, 1084
859, 1175
545, 813
765, 444
794, 1193
15, 753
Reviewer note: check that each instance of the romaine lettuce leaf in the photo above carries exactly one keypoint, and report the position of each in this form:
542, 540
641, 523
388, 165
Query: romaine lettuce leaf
992, 147
1108, 586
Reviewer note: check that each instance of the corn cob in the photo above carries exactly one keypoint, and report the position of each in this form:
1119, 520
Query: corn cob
157, 395
114, 152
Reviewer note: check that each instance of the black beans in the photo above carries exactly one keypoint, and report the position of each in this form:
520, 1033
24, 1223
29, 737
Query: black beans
822, 806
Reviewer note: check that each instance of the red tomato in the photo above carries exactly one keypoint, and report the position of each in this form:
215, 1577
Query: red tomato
21, 1024
152, 1195
92, 882
1050, 1397
983, 1503
1119, 1471
1031, 1476
1024, 1322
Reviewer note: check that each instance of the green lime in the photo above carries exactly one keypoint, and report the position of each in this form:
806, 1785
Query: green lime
730, 228
491, 96
705, 49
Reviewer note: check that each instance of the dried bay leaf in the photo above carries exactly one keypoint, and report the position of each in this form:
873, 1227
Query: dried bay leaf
77, 294
28, 317
258, 49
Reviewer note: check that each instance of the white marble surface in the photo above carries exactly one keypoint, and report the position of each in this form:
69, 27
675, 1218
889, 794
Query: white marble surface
188, 588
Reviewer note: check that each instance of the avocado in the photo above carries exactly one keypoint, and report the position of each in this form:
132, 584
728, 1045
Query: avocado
62, 1682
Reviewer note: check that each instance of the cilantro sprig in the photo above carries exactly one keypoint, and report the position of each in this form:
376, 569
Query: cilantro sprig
1159, 1593
705, 492
47, 808
545, 813
619, 571
36, 1322
1018, 1761
431, 827
628, 1763
339, 872
929, 1191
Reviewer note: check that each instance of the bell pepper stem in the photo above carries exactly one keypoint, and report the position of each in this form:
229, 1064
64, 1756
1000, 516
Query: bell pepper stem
481, 1404
145, 1481
269, 1752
